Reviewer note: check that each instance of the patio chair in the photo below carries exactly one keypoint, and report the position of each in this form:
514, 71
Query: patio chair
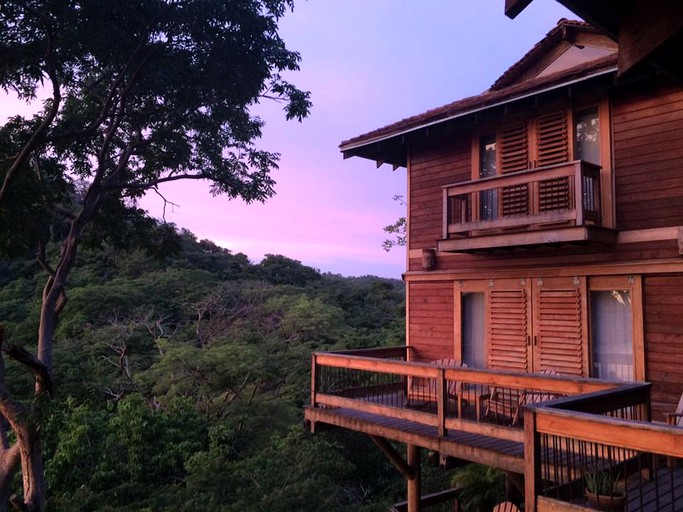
423, 391
676, 418
506, 404
506, 506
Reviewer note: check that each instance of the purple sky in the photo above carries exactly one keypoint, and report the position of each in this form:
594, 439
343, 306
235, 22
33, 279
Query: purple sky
367, 63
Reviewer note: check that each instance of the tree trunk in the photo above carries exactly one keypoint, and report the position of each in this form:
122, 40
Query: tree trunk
26, 449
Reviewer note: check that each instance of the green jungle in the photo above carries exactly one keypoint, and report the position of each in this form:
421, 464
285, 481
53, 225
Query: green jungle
181, 374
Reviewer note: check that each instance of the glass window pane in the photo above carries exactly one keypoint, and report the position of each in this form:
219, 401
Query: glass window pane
473, 346
587, 136
612, 334
488, 200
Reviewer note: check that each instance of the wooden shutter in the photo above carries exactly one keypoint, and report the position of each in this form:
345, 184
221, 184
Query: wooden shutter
514, 156
559, 325
552, 139
514, 148
508, 329
552, 147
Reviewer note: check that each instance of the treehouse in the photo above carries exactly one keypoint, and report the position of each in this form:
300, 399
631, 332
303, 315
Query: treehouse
544, 285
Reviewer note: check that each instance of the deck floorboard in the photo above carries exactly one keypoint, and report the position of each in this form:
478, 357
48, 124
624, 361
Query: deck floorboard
504, 454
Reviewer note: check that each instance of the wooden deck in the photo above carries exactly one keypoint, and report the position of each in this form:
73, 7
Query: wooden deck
501, 453
662, 492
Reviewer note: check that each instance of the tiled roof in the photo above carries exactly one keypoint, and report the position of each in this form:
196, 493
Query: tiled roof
486, 99
539, 49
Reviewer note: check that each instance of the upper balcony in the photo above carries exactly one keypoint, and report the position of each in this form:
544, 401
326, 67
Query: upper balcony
547, 205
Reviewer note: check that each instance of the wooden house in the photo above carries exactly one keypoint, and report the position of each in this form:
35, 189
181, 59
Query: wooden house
544, 281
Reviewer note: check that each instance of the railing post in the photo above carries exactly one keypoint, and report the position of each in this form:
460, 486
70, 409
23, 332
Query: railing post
578, 193
441, 398
446, 215
532, 460
314, 366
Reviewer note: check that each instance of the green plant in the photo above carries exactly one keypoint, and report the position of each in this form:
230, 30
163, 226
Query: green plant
481, 487
603, 483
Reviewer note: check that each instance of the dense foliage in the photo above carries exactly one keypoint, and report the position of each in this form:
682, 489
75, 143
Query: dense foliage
125, 96
180, 380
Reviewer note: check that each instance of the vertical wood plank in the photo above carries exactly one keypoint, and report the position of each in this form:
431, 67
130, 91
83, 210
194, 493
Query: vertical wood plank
314, 366
414, 496
532, 458
578, 193
638, 328
441, 397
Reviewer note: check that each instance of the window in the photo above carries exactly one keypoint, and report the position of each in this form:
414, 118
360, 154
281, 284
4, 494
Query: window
549, 138
616, 331
573, 325
473, 323
488, 200
587, 136
612, 334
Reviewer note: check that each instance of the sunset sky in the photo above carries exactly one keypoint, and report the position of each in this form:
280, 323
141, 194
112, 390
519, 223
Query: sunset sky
367, 64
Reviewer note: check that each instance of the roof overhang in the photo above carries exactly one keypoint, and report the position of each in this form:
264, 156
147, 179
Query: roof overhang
648, 31
391, 145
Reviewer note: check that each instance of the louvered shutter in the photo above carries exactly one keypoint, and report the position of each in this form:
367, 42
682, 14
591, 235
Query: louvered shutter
514, 148
552, 139
552, 147
514, 156
508, 326
559, 325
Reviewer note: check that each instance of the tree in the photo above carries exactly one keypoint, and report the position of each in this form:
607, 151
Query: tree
139, 93
397, 230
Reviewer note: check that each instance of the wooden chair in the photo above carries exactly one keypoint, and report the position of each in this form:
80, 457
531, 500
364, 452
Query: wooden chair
506, 506
676, 418
423, 391
507, 403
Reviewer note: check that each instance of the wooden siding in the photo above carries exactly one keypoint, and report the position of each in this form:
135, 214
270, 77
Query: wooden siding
648, 163
437, 162
663, 318
430, 319
648, 157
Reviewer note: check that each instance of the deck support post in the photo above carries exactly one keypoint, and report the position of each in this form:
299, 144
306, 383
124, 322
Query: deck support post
404, 467
414, 497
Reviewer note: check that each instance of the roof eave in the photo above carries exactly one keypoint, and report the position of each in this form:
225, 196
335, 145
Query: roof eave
348, 149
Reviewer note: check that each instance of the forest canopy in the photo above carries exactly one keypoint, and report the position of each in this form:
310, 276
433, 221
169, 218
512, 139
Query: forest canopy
183, 375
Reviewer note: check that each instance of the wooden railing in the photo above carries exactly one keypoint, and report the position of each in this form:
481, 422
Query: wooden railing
566, 193
439, 396
608, 434
582, 426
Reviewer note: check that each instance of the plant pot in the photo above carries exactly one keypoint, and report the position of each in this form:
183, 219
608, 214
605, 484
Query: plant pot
605, 502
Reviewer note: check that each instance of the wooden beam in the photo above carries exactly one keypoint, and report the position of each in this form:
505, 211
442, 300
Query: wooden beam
680, 240
532, 453
583, 234
395, 458
429, 499
646, 27
414, 492
514, 7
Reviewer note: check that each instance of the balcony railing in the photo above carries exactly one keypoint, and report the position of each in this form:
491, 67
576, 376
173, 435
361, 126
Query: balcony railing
564, 194
570, 443
570, 427
484, 402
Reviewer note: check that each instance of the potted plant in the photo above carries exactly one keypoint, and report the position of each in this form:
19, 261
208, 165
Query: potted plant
604, 492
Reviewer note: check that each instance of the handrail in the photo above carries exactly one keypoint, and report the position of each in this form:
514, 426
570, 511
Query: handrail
522, 177
581, 419
577, 201
379, 386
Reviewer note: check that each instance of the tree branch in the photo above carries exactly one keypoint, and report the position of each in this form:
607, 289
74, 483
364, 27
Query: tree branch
38, 369
38, 134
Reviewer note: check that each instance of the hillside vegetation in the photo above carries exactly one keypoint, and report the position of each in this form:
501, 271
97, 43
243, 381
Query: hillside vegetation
180, 377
